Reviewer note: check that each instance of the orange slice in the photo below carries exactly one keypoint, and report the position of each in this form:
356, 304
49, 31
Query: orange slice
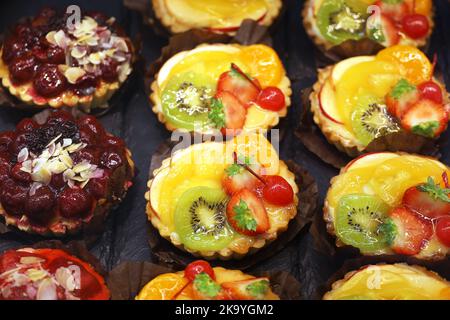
163, 287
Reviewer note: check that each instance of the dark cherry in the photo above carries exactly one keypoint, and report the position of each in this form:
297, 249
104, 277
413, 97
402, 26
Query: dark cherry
13, 197
75, 203
23, 68
57, 181
86, 85
91, 123
111, 159
55, 55
40, 54
26, 125
4, 170
38, 206
12, 49
43, 18
114, 141
89, 154
22, 29
110, 71
98, 187
21, 141
6, 138
59, 117
19, 175
87, 136
49, 81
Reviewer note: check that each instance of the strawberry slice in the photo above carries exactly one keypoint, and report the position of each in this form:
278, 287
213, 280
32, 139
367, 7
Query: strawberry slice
246, 213
426, 118
401, 98
252, 289
412, 231
395, 11
240, 85
383, 30
429, 199
234, 112
237, 178
205, 288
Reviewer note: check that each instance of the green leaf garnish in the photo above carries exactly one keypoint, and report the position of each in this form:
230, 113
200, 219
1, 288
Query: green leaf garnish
389, 229
217, 114
206, 286
426, 129
234, 169
243, 216
258, 289
402, 87
435, 190
377, 34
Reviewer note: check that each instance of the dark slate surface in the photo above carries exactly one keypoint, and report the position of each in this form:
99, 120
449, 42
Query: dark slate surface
125, 237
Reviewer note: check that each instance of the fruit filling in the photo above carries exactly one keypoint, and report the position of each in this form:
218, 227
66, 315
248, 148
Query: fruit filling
52, 56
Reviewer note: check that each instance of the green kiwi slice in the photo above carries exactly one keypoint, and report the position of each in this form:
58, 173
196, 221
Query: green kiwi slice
201, 221
186, 100
370, 119
341, 20
362, 222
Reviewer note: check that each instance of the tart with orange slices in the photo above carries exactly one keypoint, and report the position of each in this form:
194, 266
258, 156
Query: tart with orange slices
221, 86
360, 27
223, 200
199, 281
364, 98
390, 282
216, 15
391, 203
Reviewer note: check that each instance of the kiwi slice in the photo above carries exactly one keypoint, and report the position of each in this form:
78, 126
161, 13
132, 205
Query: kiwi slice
370, 119
186, 100
201, 221
362, 222
341, 20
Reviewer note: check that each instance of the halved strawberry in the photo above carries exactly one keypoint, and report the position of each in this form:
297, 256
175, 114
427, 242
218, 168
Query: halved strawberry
235, 81
401, 98
234, 112
395, 11
428, 199
426, 118
252, 289
383, 30
412, 231
246, 213
205, 288
237, 178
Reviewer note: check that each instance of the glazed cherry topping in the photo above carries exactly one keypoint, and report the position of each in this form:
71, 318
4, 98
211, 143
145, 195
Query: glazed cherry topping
19, 175
39, 206
109, 71
55, 55
26, 125
13, 197
49, 81
6, 138
89, 154
277, 191
91, 123
111, 159
57, 181
114, 141
21, 141
12, 49
23, 68
87, 136
60, 117
98, 187
415, 26
86, 85
271, 98
75, 203
431, 90
443, 230
197, 267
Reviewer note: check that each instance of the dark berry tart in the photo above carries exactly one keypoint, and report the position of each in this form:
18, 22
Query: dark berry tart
61, 174
48, 61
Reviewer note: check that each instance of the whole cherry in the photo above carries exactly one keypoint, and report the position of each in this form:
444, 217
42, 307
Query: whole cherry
75, 203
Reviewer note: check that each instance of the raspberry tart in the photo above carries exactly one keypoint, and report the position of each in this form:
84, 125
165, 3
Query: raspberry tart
360, 27
390, 282
368, 97
391, 203
199, 281
223, 200
221, 86
214, 15
48, 62
61, 175
48, 274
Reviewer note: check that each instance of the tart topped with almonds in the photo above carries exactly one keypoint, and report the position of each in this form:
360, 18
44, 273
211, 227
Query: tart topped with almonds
49, 60
59, 176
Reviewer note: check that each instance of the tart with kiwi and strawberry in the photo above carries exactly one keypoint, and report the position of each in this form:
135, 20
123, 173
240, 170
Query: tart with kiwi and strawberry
200, 281
216, 16
223, 200
61, 174
390, 282
349, 28
221, 87
391, 203
364, 98
48, 274
49, 61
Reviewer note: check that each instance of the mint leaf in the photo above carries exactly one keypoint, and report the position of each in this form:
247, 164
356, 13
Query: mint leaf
402, 87
389, 229
243, 216
435, 190
426, 129
234, 169
258, 289
206, 286
216, 113
377, 34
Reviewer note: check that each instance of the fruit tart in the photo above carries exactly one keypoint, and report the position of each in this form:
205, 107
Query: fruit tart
368, 97
360, 27
214, 15
391, 203
47, 61
48, 274
61, 174
199, 281
223, 200
221, 86
390, 282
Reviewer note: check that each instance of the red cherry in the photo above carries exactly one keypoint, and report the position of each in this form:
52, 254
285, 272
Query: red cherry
271, 98
110, 71
443, 230
197, 267
20, 142
75, 203
59, 117
89, 154
26, 125
13, 197
6, 138
57, 181
278, 191
91, 123
19, 175
56, 55
98, 187
431, 91
49, 81
87, 136
415, 25
39, 205
114, 141
111, 159
22, 68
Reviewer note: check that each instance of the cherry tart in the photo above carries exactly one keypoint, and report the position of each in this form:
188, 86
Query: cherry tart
48, 274
49, 61
59, 176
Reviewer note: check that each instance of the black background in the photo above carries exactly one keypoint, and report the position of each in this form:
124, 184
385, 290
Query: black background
125, 237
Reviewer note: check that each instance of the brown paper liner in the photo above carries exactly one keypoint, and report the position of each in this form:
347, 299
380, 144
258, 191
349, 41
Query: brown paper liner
126, 280
166, 254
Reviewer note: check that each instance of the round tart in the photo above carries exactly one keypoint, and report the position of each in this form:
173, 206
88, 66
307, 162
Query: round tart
223, 200
221, 86
368, 97
59, 176
49, 61
390, 282
216, 15
361, 27
391, 203
48, 274
199, 281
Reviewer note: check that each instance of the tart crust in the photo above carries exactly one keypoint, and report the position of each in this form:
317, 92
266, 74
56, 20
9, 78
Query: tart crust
155, 96
175, 26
